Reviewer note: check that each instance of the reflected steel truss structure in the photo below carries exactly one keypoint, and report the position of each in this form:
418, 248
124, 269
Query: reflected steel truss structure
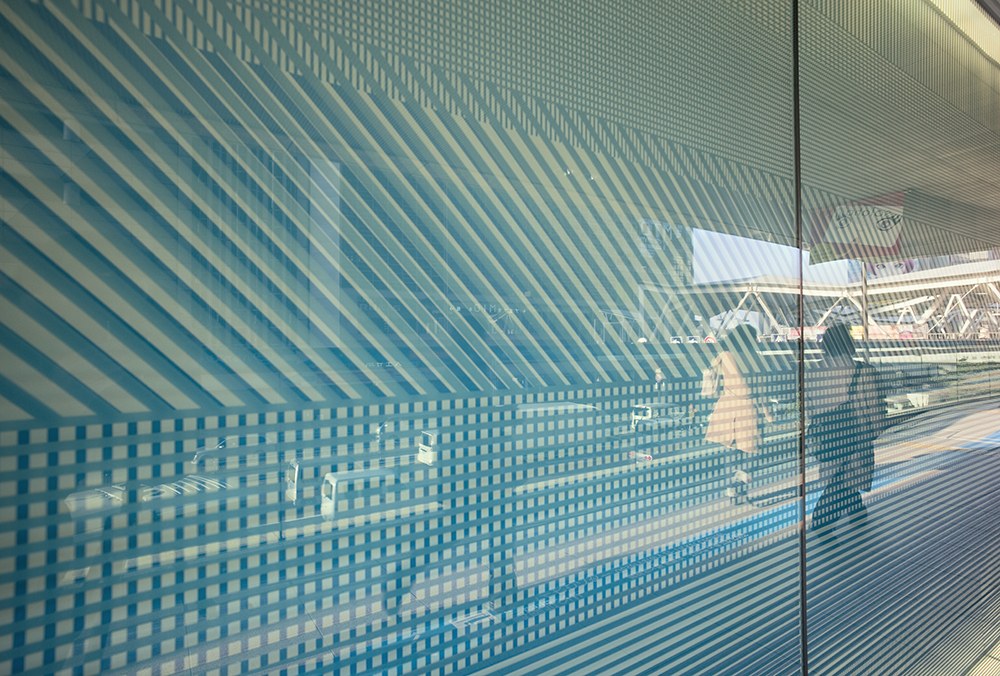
960, 302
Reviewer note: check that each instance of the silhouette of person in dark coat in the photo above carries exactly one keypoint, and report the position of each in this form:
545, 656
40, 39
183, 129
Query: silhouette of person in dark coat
846, 411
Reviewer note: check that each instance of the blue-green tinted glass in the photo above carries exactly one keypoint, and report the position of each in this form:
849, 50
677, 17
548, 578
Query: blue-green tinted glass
501, 337
370, 337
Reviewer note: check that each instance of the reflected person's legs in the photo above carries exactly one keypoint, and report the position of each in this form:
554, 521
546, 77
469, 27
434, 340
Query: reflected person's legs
838, 498
740, 473
825, 512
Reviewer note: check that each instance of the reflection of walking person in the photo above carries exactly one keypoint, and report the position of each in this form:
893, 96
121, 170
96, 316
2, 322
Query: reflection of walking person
846, 412
659, 380
736, 419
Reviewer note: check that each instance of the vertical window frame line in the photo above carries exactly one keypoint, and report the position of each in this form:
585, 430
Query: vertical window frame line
800, 311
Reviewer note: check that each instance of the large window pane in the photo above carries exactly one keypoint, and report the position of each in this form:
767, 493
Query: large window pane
456, 337
332, 333
899, 168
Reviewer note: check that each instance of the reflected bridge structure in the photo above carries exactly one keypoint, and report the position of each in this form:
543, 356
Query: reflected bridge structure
957, 302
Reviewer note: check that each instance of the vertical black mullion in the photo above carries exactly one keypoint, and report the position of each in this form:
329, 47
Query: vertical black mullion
799, 243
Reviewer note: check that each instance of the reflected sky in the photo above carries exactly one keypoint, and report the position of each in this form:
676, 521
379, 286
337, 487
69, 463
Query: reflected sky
720, 257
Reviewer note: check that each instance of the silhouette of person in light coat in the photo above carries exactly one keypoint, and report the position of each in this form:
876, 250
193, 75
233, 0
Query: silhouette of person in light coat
737, 417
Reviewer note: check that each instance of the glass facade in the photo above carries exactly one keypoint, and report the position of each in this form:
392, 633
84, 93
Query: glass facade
501, 337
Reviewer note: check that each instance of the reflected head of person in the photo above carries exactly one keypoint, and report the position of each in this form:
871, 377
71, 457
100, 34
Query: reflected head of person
737, 356
838, 344
742, 342
741, 338
830, 380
